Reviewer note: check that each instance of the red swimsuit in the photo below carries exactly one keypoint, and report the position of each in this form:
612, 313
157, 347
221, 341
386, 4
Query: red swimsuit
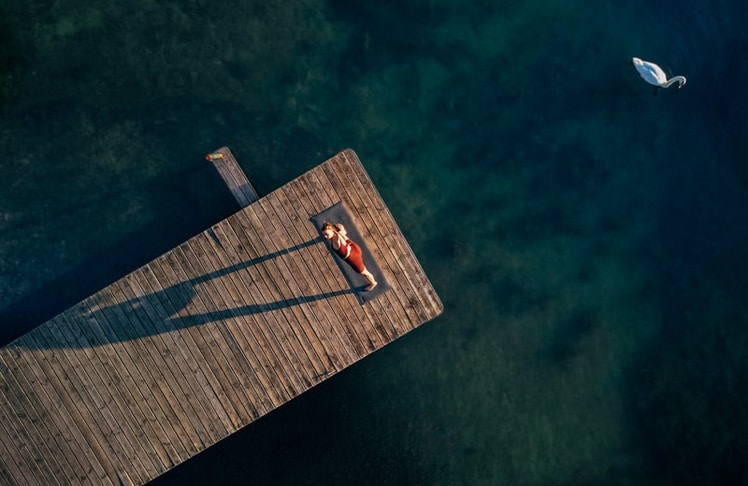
351, 253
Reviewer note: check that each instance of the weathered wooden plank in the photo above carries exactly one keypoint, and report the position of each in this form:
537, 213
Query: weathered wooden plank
296, 290
179, 360
5, 477
286, 349
120, 327
90, 424
217, 353
87, 369
347, 351
98, 362
225, 294
52, 418
221, 341
151, 312
239, 253
14, 453
31, 438
68, 423
62, 365
130, 313
95, 371
247, 291
175, 298
234, 177
264, 312
123, 353
29, 446
257, 369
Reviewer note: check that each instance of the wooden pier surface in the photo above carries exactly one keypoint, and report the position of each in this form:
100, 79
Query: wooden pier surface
205, 339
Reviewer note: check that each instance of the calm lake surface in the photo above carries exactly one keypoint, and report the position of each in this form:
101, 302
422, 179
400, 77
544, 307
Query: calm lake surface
587, 237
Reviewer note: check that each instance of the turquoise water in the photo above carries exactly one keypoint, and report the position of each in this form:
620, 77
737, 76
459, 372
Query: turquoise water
587, 237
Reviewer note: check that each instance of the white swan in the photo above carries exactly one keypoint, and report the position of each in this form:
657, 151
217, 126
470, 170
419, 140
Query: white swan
653, 74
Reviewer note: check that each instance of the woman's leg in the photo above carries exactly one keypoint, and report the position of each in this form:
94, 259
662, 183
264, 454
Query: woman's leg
370, 278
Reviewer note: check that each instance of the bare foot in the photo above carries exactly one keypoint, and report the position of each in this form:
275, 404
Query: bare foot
371, 286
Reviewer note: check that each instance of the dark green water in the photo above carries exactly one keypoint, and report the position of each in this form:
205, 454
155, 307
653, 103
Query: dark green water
586, 236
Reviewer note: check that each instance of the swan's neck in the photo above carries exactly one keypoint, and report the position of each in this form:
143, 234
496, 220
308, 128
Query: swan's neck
674, 79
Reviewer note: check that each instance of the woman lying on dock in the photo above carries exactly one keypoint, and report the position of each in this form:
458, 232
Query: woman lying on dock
347, 249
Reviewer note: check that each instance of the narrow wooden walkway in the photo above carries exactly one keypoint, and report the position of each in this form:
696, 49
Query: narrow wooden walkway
205, 339
234, 177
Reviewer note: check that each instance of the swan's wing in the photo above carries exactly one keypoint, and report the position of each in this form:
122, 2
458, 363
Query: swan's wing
658, 72
651, 72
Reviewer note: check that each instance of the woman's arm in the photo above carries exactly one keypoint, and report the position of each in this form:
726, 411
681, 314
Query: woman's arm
341, 230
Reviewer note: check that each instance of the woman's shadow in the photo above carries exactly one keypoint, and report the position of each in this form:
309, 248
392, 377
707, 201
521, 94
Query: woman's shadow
160, 311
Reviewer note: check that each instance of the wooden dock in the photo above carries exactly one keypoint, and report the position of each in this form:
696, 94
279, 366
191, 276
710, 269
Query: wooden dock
205, 339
